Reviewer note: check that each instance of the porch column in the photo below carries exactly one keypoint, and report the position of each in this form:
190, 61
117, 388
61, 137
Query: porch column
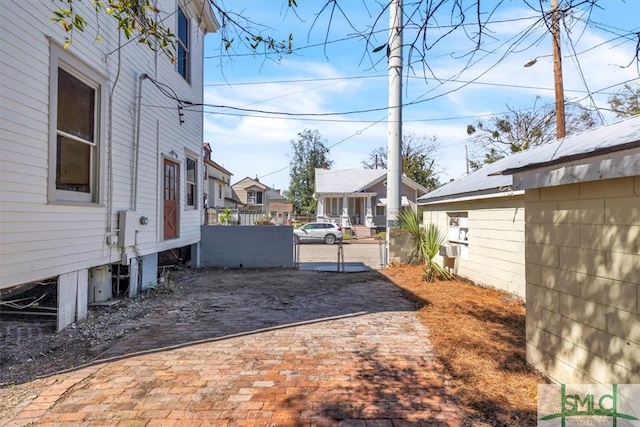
345, 211
320, 209
369, 217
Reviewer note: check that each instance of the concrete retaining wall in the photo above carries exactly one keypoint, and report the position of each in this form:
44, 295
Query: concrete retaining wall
246, 246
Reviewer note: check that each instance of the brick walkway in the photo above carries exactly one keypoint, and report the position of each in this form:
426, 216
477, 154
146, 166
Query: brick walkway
351, 356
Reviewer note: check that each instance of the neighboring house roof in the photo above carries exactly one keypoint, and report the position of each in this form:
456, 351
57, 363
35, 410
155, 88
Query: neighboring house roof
622, 135
248, 183
281, 207
217, 166
273, 194
354, 180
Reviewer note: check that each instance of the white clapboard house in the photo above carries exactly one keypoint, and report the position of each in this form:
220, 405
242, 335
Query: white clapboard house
100, 164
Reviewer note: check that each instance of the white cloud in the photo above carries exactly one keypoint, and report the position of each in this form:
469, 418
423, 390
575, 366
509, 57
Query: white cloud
251, 146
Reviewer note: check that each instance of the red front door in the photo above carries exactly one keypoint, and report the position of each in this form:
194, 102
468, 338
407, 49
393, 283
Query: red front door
170, 200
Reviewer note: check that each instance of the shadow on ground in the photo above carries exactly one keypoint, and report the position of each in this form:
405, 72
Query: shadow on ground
237, 302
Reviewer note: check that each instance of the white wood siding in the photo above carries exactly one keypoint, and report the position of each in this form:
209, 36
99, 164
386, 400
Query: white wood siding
496, 255
40, 239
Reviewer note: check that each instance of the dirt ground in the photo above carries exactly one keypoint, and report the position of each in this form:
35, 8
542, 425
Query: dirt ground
478, 334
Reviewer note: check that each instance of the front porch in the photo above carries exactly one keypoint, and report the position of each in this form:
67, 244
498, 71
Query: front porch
354, 212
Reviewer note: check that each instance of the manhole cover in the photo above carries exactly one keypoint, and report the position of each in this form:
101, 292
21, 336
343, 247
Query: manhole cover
14, 335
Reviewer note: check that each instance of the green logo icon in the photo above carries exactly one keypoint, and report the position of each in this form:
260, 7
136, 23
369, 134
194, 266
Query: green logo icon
591, 404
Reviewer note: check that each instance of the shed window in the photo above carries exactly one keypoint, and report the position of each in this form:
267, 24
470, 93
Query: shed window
458, 227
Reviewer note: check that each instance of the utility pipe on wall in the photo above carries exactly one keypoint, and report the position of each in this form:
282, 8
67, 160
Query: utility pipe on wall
136, 145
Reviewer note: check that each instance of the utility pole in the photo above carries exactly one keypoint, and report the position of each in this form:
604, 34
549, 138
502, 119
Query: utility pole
466, 158
394, 172
557, 70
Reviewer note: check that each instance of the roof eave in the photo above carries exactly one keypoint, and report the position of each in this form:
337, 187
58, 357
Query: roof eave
470, 197
571, 158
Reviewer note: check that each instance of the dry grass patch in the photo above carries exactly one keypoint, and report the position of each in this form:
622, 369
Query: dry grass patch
479, 335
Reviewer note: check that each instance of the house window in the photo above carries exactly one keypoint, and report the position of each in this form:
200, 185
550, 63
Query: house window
458, 227
334, 206
219, 191
183, 45
381, 210
254, 197
75, 113
191, 183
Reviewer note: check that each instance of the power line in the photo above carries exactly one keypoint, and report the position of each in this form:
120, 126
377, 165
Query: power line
190, 107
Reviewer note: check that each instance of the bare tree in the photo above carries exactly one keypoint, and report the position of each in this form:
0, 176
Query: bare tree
519, 130
418, 154
428, 23
626, 102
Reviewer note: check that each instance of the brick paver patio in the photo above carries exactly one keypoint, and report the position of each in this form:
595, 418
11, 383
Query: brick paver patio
349, 356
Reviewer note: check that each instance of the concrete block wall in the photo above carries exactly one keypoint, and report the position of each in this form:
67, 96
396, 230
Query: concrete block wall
246, 246
583, 281
495, 253
400, 245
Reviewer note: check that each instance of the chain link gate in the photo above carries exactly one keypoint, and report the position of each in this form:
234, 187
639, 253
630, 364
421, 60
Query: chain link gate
345, 256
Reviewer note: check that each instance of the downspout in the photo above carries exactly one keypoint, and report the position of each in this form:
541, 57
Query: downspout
136, 146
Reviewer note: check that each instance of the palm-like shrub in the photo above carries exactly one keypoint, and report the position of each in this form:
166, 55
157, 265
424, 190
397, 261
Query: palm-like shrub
409, 221
433, 239
225, 216
426, 244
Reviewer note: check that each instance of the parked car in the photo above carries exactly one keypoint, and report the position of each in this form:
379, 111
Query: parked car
327, 232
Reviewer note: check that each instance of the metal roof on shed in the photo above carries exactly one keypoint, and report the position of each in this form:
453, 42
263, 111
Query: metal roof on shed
477, 182
605, 139
496, 177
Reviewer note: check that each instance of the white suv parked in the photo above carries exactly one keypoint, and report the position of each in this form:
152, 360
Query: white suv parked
327, 232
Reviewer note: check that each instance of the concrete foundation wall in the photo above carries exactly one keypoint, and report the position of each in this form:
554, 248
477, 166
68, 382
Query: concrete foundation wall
149, 276
583, 281
246, 246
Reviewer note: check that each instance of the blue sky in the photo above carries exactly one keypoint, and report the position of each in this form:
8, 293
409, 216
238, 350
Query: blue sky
342, 77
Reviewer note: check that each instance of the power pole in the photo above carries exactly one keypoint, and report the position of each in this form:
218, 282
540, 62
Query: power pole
394, 171
466, 158
557, 70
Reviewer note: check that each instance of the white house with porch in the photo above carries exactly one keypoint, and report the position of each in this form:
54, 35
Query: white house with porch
357, 198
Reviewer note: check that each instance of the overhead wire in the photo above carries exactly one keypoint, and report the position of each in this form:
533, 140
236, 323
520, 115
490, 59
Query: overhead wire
516, 40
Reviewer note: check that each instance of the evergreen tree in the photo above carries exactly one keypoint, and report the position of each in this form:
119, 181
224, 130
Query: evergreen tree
309, 152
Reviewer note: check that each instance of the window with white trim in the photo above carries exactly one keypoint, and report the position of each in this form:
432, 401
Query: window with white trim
182, 46
191, 184
254, 197
75, 123
458, 227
